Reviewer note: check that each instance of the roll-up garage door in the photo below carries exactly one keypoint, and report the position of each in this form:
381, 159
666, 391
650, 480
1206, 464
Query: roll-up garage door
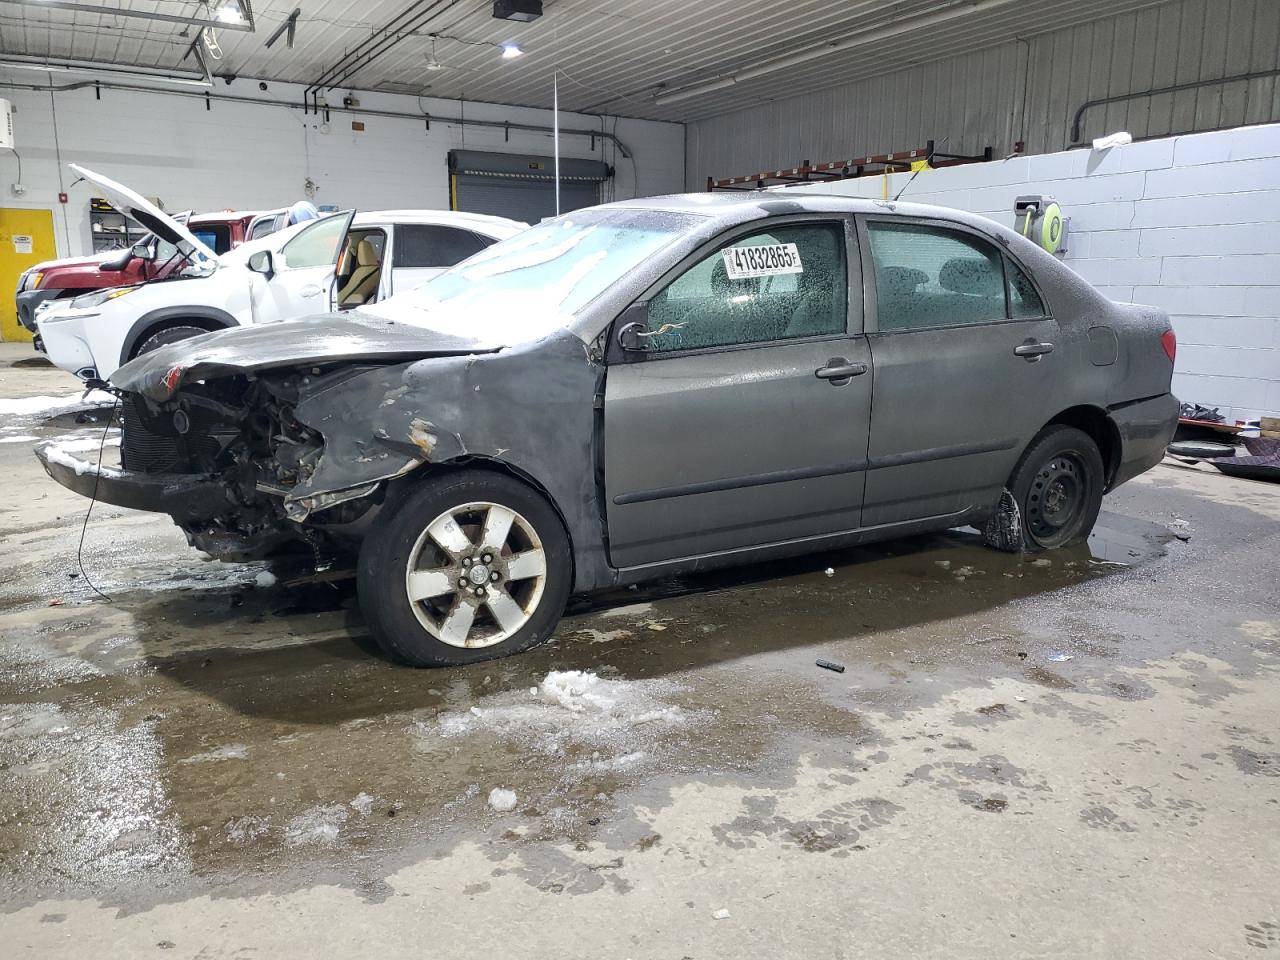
522, 187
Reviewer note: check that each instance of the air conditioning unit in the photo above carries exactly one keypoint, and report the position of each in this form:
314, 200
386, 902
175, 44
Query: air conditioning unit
6, 125
524, 11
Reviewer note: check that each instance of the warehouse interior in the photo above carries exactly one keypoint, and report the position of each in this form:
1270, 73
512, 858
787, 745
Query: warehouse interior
1137, 142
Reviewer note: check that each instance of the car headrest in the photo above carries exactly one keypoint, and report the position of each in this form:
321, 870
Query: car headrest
898, 281
366, 254
971, 275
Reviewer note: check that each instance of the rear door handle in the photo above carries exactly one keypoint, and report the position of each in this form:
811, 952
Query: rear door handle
1032, 350
840, 371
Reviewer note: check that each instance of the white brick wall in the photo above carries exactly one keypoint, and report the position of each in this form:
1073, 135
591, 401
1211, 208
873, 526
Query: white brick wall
1190, 224
251, 156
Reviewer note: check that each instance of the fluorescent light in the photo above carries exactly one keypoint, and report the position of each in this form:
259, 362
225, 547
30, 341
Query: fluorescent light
510, 50
230, 13
825, 48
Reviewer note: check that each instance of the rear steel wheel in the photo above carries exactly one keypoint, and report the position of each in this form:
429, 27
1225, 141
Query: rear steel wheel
1054, 494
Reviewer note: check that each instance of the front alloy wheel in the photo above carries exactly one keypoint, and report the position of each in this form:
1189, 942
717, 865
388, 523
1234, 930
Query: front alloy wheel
476, 575
470, 565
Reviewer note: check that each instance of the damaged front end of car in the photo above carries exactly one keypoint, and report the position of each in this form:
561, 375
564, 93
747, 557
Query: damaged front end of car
254, 465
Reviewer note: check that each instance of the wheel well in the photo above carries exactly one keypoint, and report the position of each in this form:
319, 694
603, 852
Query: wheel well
204, 323
493, 465
1097, 424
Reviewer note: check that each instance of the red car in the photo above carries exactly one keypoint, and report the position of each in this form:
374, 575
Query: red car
148, 259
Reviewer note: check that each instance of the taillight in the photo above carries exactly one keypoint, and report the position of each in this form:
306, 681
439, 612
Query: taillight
1169, 340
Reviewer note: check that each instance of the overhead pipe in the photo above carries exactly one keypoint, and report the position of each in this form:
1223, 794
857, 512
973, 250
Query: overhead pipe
826, 48
362, 111
377, 43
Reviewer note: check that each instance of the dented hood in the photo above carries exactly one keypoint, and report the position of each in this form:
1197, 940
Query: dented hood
351, 337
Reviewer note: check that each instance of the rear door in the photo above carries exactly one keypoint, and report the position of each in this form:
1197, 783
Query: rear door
304, 272
422, 250
966, 372
743, 420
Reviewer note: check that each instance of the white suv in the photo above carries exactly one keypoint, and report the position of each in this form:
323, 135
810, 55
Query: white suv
339, 261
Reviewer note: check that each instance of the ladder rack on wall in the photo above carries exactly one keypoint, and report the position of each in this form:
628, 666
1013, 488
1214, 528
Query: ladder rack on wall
809, 172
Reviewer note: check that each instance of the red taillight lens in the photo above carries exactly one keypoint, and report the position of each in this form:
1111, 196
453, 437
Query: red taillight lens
1169, 340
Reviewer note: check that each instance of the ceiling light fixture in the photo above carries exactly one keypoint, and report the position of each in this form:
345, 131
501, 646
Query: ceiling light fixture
230, 12
826, 48
510, 50
433, 63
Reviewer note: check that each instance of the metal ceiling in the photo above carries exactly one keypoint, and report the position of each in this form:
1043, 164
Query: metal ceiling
614, 56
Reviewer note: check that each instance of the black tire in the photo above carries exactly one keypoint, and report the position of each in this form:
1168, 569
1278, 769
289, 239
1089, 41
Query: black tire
1057, 489
389, 548
167, 335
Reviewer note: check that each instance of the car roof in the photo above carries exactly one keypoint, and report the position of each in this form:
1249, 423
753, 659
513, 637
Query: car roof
456, 218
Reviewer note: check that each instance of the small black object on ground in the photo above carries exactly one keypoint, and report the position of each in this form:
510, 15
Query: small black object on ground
829, 665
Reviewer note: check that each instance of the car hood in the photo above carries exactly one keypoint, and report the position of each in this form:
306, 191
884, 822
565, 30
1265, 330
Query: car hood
328, 338
151, 217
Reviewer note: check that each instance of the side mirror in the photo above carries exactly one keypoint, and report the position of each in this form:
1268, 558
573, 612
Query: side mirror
631, 336
143, 250
631, 327
261, 262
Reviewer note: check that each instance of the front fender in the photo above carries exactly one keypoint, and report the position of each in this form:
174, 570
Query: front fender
215, 318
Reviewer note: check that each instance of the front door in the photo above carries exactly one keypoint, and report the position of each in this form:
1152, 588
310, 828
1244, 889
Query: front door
743, 419
966, 372
304, 272
26, 238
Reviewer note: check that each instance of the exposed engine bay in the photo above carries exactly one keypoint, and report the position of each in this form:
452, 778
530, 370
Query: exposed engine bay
244, 431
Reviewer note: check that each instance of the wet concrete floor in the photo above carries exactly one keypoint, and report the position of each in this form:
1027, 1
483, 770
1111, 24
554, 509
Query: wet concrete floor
1023, 757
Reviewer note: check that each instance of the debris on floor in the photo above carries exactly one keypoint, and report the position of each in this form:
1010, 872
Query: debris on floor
829, 665
504, 801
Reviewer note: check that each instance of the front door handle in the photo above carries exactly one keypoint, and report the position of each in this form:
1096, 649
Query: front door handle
311, 290
1032, 350
840, 371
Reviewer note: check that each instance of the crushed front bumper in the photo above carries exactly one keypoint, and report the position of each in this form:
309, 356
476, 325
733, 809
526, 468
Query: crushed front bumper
188, 498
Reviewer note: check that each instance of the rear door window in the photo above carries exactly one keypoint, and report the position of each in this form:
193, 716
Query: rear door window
432, 245
932, 276
781, 284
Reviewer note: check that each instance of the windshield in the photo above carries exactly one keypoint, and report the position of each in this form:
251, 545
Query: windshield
527, 286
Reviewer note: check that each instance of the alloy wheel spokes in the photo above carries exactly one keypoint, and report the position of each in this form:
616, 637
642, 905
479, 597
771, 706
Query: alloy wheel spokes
425, 584
445, 531
456, 626
476, 575
508, 614
530, 563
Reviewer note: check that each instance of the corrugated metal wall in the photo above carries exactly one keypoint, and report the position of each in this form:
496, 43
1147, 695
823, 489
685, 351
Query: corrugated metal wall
1024, 90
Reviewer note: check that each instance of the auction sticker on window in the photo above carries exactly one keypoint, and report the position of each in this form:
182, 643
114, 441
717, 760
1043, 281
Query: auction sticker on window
764, 261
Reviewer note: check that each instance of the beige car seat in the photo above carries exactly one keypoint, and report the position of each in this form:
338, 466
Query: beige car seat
362, 285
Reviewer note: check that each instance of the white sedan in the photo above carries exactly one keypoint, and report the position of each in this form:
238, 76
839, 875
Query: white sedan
337, 262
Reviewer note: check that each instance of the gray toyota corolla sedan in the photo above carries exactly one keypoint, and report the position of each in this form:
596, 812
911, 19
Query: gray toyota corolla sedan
645, 388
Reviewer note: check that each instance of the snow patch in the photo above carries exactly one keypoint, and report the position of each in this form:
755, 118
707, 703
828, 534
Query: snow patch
266, 579
53, 406
21, 438
245, 829
618, 722
362, 804
502, 800
228, 751
319, 825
